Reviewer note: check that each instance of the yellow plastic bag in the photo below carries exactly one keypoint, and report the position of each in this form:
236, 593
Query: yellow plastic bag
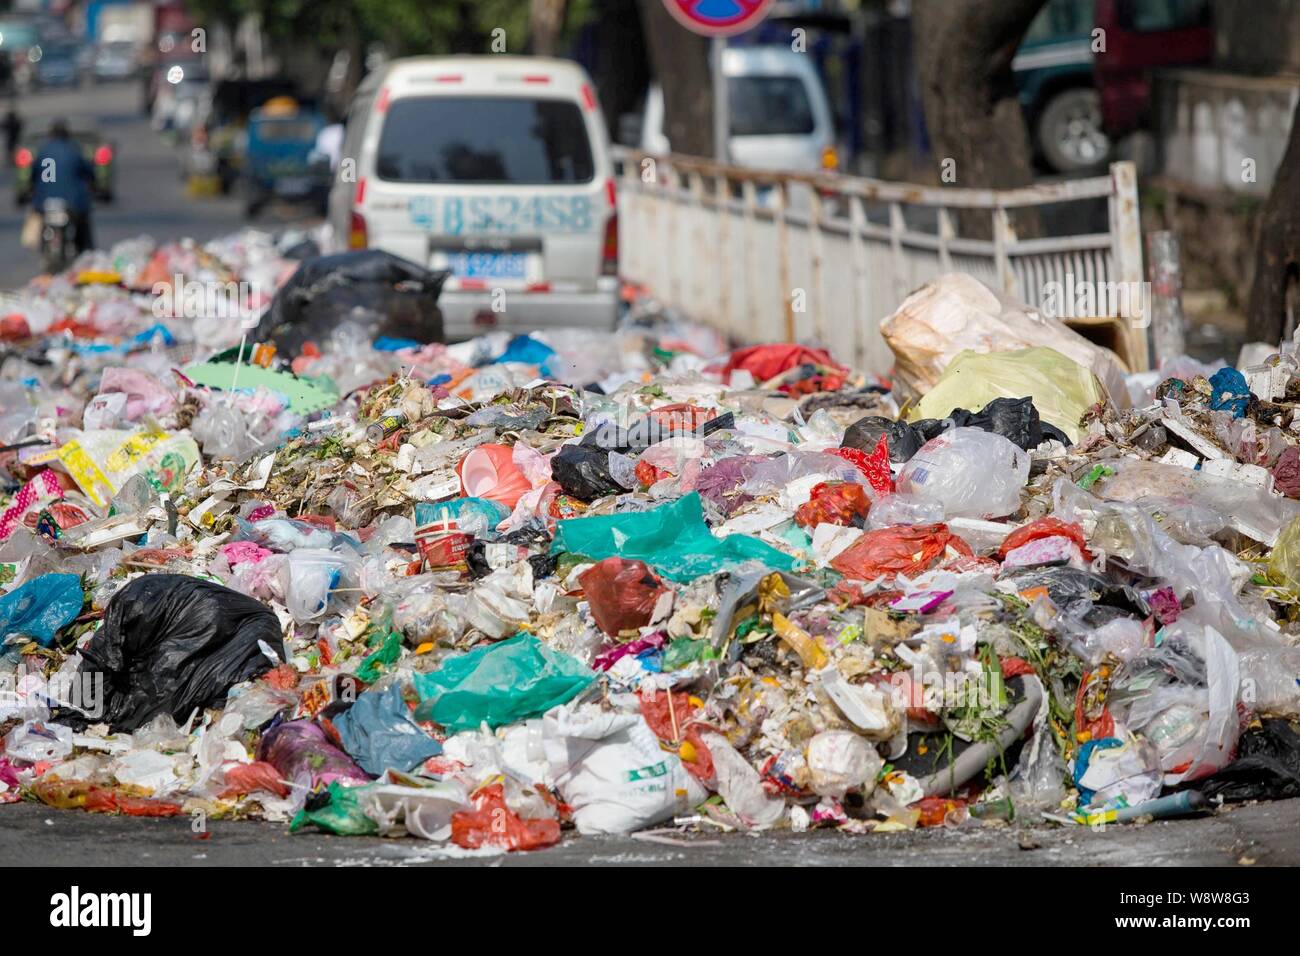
1061, 388
101, 460
1284, 562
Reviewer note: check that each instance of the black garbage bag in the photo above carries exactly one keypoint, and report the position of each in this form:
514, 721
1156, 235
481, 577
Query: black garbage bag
532, 544
171, 643
383, 293
1267, 766
1015, 419
583, 472
864, 435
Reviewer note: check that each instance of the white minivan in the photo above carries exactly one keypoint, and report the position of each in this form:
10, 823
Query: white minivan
495, 168
779, 115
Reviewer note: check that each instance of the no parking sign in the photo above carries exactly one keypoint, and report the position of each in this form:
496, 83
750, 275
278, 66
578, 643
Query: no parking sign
718, 18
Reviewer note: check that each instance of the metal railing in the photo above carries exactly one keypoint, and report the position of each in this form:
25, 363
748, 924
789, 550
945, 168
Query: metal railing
772, 256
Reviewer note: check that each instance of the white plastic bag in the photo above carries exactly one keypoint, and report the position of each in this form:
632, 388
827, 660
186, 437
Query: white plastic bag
972, 473
610, 768
741, 787
840, 761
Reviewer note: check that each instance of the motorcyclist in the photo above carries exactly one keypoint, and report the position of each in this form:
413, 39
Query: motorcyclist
62, 172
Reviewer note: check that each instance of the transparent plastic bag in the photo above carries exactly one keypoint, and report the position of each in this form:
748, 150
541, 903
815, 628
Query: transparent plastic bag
903, 509
972, 473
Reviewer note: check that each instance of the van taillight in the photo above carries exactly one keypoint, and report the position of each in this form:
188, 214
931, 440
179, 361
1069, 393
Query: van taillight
609, 251
357, 238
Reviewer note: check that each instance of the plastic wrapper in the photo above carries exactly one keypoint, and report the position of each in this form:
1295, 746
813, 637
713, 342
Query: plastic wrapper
840, 761
171, 644
101, 461
903, 509
973, 474
622, 594
499, 684
898, 550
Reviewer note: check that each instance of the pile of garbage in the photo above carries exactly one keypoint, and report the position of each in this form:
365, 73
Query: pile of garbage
292, 559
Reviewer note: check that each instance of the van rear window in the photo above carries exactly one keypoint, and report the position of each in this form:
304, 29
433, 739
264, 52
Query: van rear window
769, 106
484, 139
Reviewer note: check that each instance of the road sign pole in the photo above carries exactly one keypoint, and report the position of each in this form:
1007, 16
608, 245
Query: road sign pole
721, 120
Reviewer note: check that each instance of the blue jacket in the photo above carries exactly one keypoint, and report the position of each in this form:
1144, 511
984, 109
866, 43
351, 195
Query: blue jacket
69, 173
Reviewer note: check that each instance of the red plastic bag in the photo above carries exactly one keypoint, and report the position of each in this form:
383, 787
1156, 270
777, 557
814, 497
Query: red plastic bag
244, 778
688, 730
901, 549
934, 810
1091, 715
489, 471
1047, 527
833, 502
768, 361
622, 594
875, 467
493, 823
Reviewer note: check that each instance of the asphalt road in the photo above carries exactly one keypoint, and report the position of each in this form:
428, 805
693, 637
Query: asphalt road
151, 196
1266, 834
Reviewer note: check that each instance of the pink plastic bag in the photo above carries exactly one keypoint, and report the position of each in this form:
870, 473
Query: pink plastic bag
489, 471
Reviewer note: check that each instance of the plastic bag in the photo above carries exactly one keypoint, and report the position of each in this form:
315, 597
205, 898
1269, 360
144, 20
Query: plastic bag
672, 539
622, 594
171, 643
741, 787
378, 733
302, 754
101, 461
490, 472
492, 823
583, 472
240, 779
957, 312
313, 574
1015, 419
865, 434
840, 761
610, 769
903, 509
901, 549
973, 474
1047, 527
499, 684
389, 295
338, 810
833, 503
40, 608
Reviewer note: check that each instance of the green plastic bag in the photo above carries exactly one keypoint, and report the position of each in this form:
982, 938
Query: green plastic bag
673, 539
341, 814
1061, 388
500, 684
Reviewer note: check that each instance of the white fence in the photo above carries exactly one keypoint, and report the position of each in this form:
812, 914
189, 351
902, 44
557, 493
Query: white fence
767, 256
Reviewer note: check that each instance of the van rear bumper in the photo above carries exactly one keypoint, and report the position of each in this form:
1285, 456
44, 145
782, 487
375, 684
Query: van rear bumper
467, 314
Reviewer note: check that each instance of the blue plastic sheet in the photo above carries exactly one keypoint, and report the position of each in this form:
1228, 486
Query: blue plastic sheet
378, 733
39, 608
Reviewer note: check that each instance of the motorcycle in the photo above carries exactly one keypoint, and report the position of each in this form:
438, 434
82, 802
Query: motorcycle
58, 236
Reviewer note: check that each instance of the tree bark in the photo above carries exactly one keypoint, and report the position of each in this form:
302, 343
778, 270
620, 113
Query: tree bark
1275, 289
545, 22
680, 61
963, 51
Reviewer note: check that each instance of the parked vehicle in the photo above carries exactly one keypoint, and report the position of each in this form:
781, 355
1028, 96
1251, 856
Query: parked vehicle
779, 114
116, 60
56, 64
495, 168
277, 163
1079, 103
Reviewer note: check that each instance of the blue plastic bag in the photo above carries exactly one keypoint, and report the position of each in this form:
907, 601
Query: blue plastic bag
39, 608
1230, 392
378, 733
500, 684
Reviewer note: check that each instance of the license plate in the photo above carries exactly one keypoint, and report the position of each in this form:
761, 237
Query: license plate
293, 186
488, 265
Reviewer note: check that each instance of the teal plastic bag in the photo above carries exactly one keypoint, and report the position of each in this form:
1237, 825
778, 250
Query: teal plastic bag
340, 814
459, 509
41, 607
500, 684
673, 539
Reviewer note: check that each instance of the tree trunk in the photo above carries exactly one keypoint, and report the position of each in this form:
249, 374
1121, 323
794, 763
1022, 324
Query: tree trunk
1275, 292
680, 60
545, 21
963, 51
